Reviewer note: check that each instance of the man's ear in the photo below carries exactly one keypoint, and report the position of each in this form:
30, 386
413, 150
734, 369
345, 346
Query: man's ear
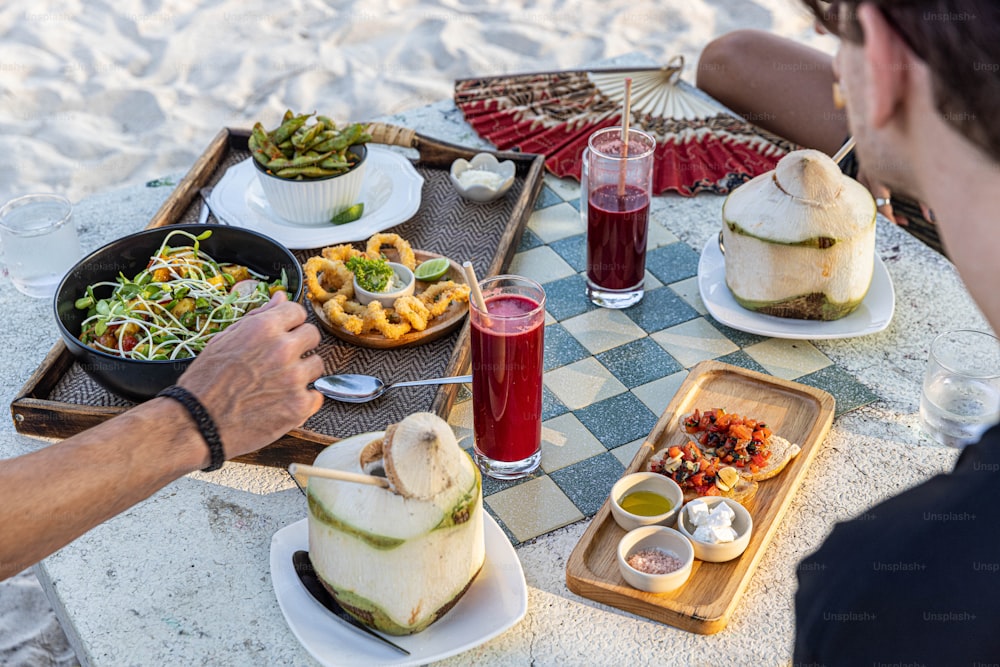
889, 62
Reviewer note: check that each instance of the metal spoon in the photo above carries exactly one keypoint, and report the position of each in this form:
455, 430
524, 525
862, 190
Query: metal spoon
354, 388
310, 581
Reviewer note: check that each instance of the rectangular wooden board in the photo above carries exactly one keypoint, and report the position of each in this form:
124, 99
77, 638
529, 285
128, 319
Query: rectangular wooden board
705, 603
43, 409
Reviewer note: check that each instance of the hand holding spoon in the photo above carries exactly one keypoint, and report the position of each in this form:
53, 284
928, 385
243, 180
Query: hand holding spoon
354, 388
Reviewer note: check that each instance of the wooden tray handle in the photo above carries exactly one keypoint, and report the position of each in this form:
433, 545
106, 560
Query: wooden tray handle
393, 135
433, 152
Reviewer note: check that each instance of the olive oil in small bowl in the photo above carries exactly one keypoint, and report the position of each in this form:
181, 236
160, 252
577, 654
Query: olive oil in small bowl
645, 503
645, 499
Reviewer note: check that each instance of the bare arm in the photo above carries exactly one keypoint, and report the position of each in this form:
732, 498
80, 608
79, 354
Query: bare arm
787, 89
252, 380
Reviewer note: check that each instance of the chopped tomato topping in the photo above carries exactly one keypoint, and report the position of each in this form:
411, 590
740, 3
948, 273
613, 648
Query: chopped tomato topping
733, 438
741, 432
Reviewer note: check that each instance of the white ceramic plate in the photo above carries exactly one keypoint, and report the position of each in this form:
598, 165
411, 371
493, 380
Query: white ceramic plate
872, 316
391, 194
496, 600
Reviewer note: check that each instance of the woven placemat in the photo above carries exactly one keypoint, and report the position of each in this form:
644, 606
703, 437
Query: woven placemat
446, 224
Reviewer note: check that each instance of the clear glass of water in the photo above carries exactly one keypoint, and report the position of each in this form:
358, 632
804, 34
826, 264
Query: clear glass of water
961, 392
39, 242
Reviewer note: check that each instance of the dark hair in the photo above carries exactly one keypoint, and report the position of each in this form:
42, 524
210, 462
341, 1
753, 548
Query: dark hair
959, 40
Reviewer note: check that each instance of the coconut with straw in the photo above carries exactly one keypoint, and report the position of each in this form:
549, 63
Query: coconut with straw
398, 553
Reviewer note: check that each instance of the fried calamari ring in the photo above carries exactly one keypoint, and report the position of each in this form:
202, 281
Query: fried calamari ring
323, 274
439, 296
413, 310
341, 252
335, 310
386, 321
402, 246
352, 307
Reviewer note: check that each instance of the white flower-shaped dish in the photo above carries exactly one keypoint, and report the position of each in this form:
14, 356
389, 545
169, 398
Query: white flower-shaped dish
476, 186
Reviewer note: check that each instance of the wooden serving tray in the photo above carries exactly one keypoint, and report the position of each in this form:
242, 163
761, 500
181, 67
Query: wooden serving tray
59, 400
705, 603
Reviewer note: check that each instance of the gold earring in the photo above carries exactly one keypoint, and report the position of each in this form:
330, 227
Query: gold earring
838, 97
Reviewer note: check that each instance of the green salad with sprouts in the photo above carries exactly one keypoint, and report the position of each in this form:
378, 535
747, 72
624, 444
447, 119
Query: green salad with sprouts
173, 307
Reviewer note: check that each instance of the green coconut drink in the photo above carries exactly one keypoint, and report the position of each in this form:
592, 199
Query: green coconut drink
398, 558
800, 240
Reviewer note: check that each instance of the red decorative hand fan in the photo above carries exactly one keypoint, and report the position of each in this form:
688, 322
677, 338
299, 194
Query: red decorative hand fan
701, 145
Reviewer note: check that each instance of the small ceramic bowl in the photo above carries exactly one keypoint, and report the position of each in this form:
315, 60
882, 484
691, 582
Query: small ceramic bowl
645, 481
314, 201
483, 178
655, 537
719, 553
403, 275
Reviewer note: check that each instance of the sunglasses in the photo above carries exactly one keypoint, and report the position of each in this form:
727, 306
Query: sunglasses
840, 18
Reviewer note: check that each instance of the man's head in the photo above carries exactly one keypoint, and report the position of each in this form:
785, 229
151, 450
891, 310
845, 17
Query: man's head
957, 40
922, 84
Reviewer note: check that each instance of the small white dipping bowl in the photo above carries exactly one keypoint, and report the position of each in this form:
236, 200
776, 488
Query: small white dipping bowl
314, 201
404, 275
719, 553
658, 537
469, 187
645, 481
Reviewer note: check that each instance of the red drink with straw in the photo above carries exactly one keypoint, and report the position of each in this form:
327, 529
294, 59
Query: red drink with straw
619, 178
507, 347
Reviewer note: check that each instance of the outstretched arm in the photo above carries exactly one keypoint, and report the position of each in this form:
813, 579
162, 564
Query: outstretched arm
786, 88
252, 380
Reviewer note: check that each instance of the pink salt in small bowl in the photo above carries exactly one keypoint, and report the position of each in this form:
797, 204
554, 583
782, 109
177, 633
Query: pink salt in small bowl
664, 552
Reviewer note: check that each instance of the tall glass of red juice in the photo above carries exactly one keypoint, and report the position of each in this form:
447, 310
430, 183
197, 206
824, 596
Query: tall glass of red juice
507, 349
619, 180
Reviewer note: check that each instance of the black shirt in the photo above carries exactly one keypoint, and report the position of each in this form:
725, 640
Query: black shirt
914, 580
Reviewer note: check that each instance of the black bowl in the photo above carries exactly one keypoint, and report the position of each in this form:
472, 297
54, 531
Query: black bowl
140, 380
360, 151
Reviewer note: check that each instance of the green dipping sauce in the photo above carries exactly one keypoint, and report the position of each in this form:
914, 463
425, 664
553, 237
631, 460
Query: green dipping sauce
645, 503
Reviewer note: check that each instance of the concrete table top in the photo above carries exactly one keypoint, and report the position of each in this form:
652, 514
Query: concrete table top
183, 578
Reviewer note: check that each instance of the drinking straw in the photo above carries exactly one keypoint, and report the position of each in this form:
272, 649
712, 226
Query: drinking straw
341, 475
477, 294
626, 112
844, 151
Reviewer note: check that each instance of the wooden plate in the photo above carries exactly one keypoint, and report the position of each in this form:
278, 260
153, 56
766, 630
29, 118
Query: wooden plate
705, 603
440, 326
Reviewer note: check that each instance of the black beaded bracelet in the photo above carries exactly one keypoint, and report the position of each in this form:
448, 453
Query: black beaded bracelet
202, 420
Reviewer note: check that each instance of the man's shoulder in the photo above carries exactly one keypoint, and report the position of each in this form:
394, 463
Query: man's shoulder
925, 558
954, 506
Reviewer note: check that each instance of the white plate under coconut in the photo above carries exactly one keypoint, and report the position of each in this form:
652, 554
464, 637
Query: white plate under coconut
872, 316
495, 602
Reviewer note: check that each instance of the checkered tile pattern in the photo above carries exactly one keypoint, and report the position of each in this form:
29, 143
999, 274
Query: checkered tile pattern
609, 374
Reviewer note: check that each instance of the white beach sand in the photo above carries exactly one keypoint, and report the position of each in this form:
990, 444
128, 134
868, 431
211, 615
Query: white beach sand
97, 95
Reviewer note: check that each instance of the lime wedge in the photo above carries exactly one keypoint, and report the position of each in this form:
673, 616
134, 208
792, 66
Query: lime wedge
432, 269
349, 214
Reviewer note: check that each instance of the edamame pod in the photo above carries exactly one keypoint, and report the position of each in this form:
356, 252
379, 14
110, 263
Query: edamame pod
264, 143
288, 128
301, 161
304, 140
306, 172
